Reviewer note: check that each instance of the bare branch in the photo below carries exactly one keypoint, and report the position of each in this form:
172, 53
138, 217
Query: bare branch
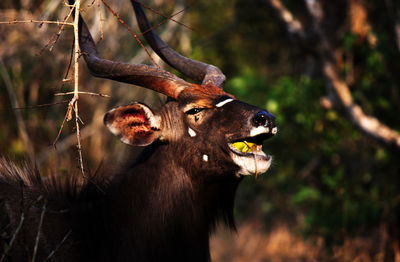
100, 20
42, 105
60, 29
39, 230
315, 9
66, 143
10, 245
59, 245
61, 128
370, 125
130, 31
293, 26
167, 34
65, 79
74, 101
83, 93
161, 14
35, 21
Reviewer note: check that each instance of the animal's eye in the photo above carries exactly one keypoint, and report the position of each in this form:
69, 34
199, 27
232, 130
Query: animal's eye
194, 111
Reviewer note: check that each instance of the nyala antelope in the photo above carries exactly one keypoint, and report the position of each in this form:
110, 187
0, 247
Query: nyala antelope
164, 207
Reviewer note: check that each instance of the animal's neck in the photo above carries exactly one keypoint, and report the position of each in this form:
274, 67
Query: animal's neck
173, 210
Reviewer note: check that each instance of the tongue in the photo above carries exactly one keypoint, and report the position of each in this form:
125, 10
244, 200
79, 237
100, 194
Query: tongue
245, 147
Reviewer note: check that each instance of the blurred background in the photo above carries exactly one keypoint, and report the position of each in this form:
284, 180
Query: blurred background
322, 68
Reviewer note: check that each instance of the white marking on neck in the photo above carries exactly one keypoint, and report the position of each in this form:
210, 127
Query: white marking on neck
259, 130
274, 130
222, 103
191, 132
205, 158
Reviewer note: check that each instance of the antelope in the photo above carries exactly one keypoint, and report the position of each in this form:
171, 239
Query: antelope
165, 205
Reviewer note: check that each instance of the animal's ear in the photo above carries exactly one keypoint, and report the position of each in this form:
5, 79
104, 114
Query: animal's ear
135, 124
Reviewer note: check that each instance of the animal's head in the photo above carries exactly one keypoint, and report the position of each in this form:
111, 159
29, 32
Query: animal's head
201, 117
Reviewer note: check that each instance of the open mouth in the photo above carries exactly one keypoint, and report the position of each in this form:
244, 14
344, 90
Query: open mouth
249, 146
248, 155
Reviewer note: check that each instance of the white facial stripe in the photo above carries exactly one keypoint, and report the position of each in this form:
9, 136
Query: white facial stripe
205, 158
191, 132
222, 103
259, 130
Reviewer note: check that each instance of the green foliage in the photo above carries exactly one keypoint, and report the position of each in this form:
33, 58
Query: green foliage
326, 172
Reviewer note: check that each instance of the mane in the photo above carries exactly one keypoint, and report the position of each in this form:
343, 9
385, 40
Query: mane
103, 207
21, 184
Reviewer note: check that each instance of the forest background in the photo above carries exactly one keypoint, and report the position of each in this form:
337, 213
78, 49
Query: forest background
328, 70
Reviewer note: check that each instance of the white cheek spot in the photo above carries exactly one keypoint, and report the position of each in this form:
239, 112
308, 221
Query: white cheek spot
191, 132
205, 158
222, 103
274, 130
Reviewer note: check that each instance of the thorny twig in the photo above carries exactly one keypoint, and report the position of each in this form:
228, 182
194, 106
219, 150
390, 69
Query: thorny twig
130, 31
65, 79
57, 34
61, 128
73, 104
59, 31
101, 21
58, 246
66, 143
74, 101
35, 21
162, 22
21, 222
41, 105
161, 14
83, 93
39, 230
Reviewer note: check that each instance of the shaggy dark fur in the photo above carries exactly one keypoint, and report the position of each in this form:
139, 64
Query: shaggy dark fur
146, 214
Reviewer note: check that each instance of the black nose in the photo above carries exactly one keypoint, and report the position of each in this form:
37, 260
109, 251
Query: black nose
263, 118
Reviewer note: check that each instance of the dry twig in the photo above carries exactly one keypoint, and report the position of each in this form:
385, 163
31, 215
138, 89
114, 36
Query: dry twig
39, 230
35, 21
58, 246
10, 245
83, 93
101, 21
130, 31
74, 101
161, 14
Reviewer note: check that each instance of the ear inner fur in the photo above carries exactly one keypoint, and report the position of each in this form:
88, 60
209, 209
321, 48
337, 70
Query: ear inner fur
135, 124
